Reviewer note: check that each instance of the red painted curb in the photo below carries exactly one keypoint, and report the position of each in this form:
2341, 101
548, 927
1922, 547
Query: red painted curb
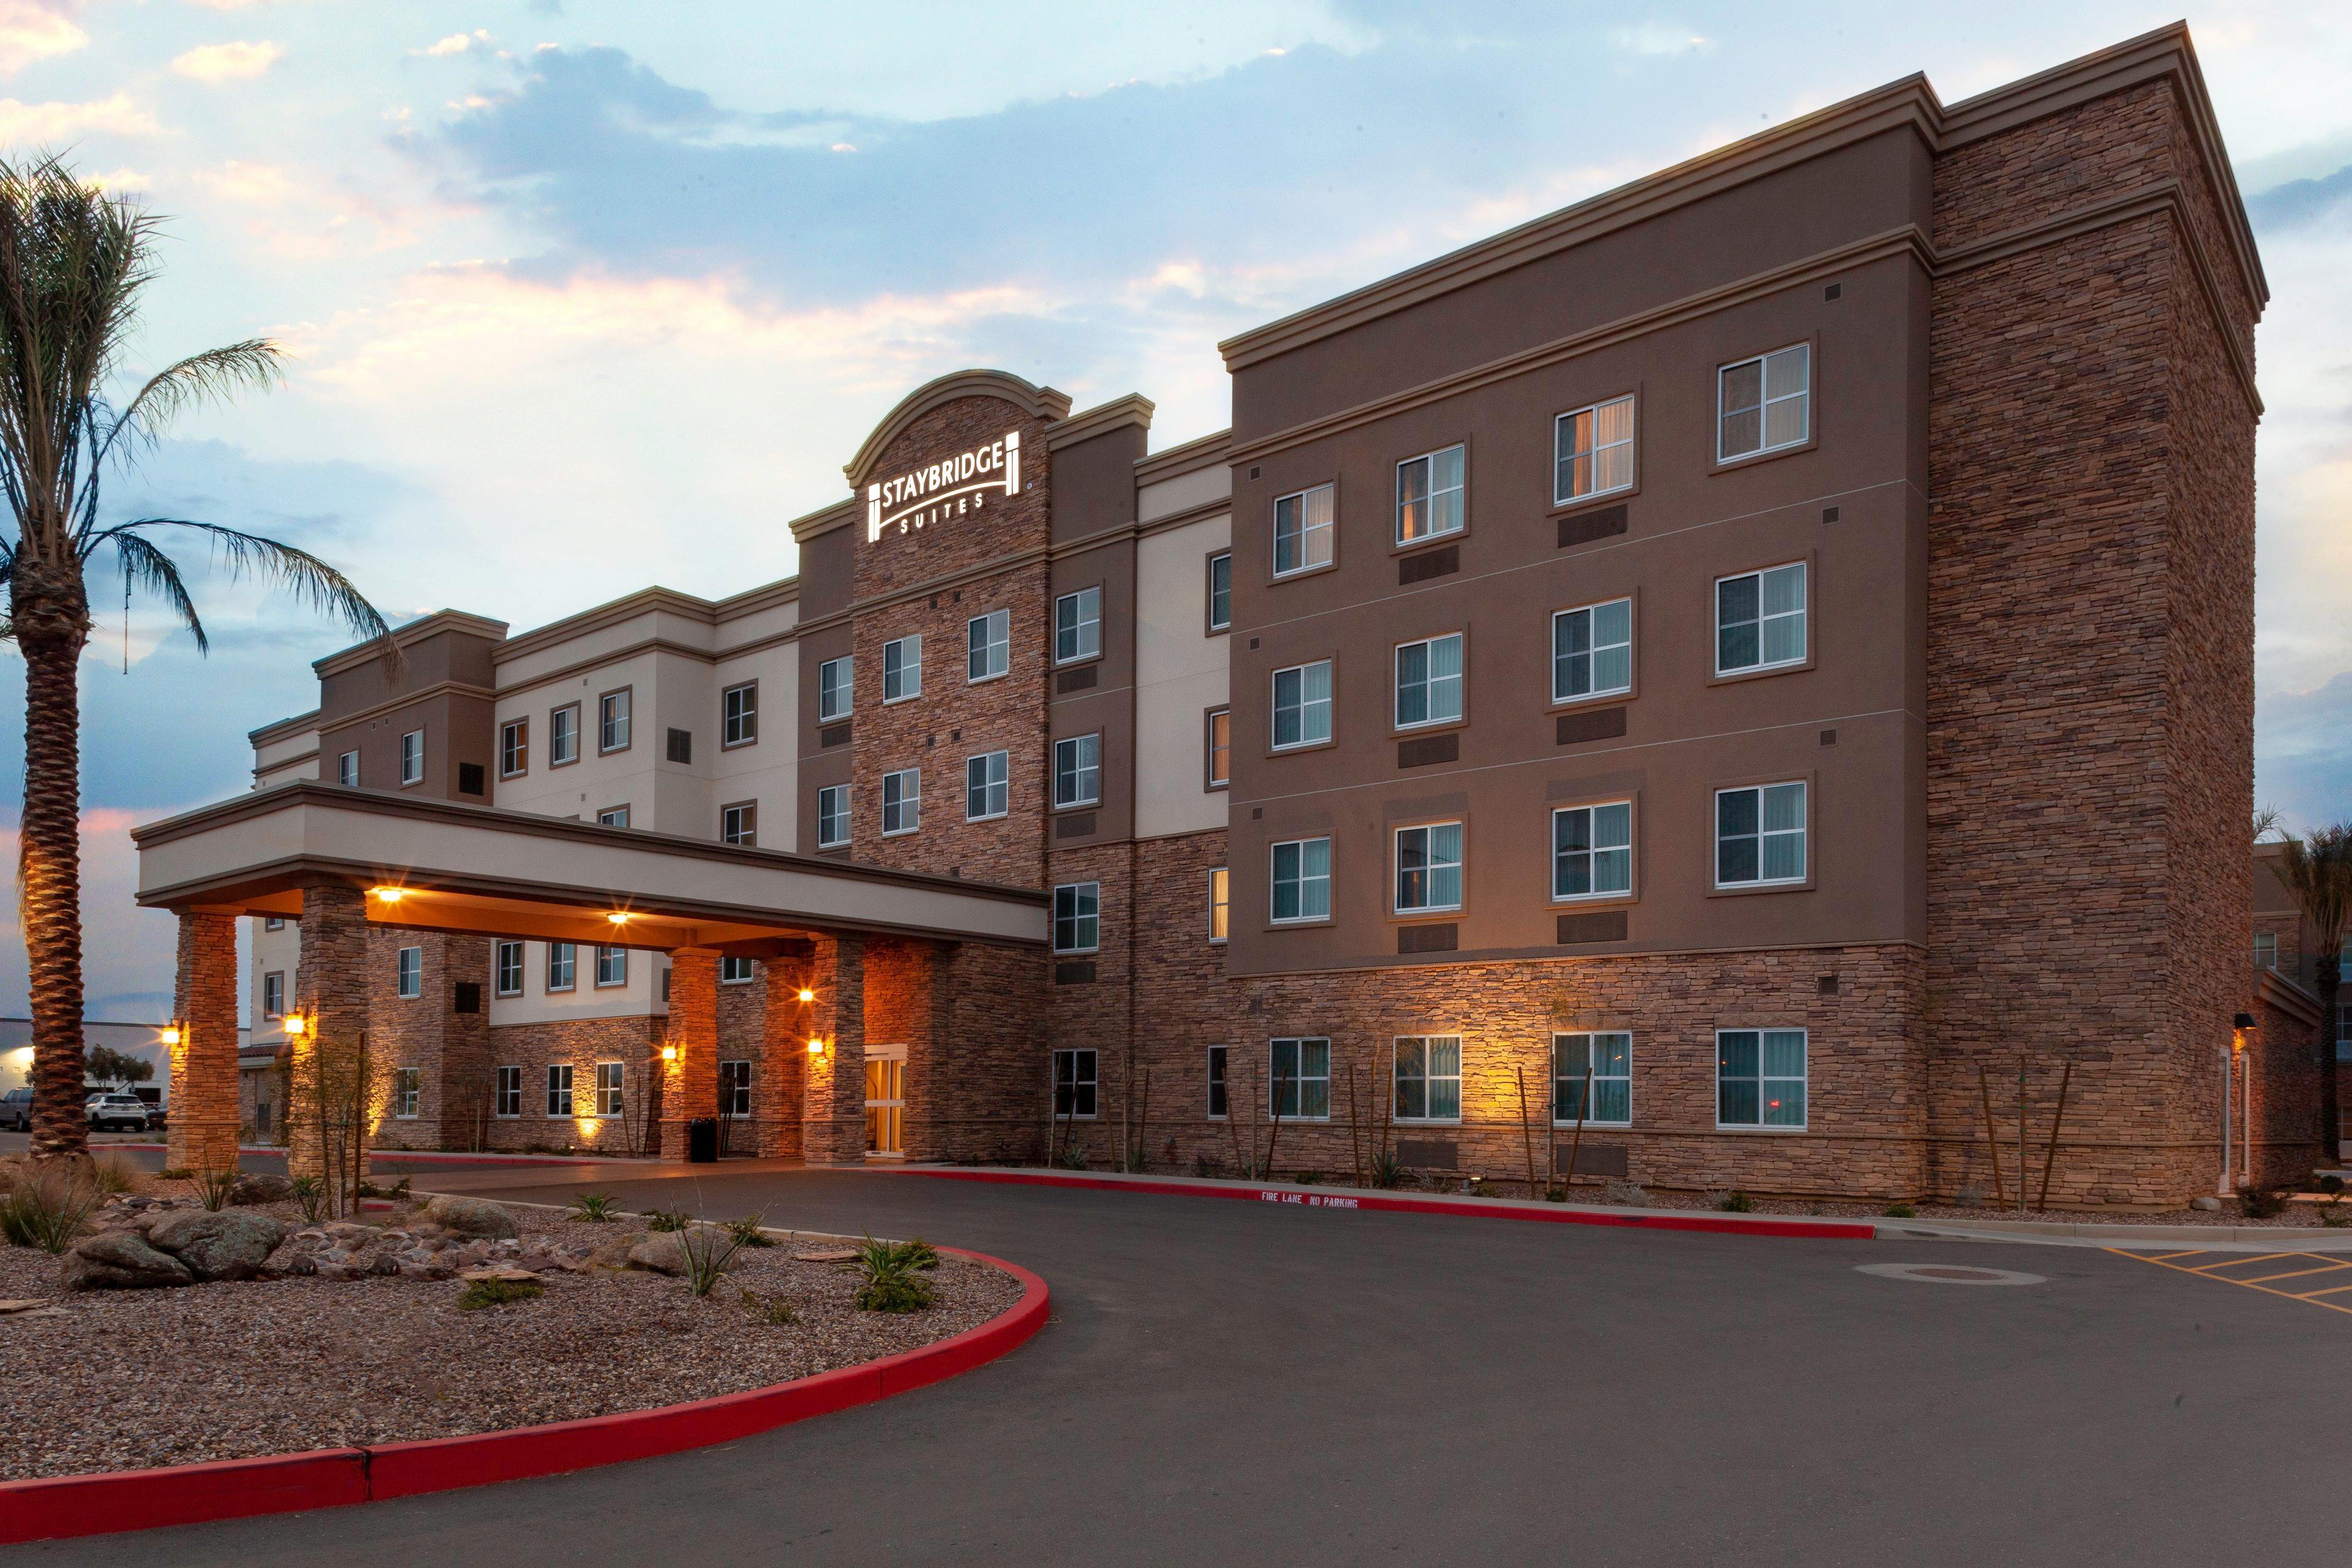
1667, 1219
58, 1507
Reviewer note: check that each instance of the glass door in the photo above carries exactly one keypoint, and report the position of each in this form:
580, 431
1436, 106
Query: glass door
885, 1100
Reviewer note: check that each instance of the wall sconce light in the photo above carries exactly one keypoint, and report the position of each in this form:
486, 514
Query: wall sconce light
296, 1026
807, 995
174, 1033
817, 1046
619, 917
669, 1051
388, 895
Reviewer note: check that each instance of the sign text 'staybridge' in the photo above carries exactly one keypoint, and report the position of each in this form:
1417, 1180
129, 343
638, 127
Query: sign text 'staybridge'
949, 488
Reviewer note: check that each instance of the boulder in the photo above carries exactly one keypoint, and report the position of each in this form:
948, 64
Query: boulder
261, 1187
472, 1216
660, 1253
615, 1254
119, 1260
232, 1244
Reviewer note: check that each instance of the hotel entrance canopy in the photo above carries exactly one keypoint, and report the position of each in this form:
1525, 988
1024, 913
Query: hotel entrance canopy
435, 864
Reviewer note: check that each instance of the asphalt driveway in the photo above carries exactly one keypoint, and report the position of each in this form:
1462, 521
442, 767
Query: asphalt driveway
1231, 1383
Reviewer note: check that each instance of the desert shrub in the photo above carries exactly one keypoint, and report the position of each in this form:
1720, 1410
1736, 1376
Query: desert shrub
2262, 1203
1387, 1170
893, 1280
214, 1188
747, 1232
114, 1177
1737, 1202
769, 1308
1555, 1193
707, 1250
1072, 1158
894, 1293
480, 1293
310, 1195
1310, 1178
47, 1208
174, 1174
2332, 1214
667, 1219
1901, 1211
595, 1208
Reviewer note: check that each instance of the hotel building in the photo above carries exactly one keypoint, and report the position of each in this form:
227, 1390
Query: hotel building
1712, 678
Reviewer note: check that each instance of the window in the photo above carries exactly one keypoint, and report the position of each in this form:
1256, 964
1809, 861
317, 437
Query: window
274, 923
273, 995
1759, 619
410, 972
833, 816
1077, 625
735, 1088
1077, 917
1429, 496
1302, 705
986, 791
1592, 851
407, 1086
510, 1091
733, 971
1302, 881
991, 639
902, 668
836, 694
347, 770
560, 963
1303, 530
412, 758
1220, 911
1592, 651
1759, 834
1299, 1080
613, 721
509, 968
559, 1088
1074, 1084
1221, 591
514, 747
1763, 404
1429, 681
1429, 1077
1077, 771
564, 735
1217, 1083
1428, 868
2265, 950
739, 823
1221, 748
1592, 451
612, 966
612, 816
1609, 1059
902, 802
608, 1088
738, 715
1760, 1077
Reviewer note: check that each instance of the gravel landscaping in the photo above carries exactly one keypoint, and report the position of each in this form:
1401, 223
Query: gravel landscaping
126, 1379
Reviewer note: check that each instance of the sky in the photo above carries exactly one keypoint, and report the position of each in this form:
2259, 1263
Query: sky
584, 295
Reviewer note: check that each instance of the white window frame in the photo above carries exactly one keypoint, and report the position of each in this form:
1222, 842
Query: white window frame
1429, 684
906, 807
837, 688
1222, 559
570, 961
1304, 706
1308, 534
563, 739
1429, 871
408, 974
902, 668
988, 647
1431, 493
1593, 649
613, 816
1084, 917
347, 770
412, 758
993, 790
1563, 456
559, 1088
507, 1091
1803, 397
1084, 630
407, 1092
736, 970
1091, 1080
1594, 849
1303, 881
1586, 1040
1082, 773
1802, 833
615, 729
1217, 1070
614, 961
738, 720
1221, 904
499, 968
273, 995
735, 1088
831, 808
737, 833
1801, 615
1429, 1078
514, 748
611, 1085
2266, 950
1301, 1080
1761, 1079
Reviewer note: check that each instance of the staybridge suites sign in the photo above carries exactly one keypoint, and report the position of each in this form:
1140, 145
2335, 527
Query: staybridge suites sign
949, 488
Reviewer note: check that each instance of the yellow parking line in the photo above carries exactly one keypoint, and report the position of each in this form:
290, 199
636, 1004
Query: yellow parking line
2297, 1273
2311, 1298
2160, 1256
2235, 1262
2314, 1295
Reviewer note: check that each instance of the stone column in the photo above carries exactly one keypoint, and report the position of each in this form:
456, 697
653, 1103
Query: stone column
779, 1077
690, 1080
201, 1122
832, 1100
331, 991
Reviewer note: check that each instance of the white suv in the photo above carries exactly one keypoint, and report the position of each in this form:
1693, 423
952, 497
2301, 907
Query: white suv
116, 1112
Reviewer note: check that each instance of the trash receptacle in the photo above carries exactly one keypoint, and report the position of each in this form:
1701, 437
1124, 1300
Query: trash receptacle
702, 1140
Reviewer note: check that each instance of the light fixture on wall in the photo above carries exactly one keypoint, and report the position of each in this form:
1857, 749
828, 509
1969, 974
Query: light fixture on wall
669, 1050
619, 917
387, 895
807, 995
816, 1045
173, 1034
296, 1026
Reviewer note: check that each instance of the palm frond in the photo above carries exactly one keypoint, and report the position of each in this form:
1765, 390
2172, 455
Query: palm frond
149, 568
2317, 870
313, 583
255, 365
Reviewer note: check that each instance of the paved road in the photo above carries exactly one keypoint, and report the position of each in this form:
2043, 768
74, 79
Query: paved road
1243, 1384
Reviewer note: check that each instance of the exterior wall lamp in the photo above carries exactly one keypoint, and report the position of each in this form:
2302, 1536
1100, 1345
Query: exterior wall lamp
296, 1026
173, 1034
807, 995
669, 1050
816, 1045
387, 895
619, 917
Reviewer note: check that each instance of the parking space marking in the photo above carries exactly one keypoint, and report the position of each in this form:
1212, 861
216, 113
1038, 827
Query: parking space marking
2297, 1273
2323, 1264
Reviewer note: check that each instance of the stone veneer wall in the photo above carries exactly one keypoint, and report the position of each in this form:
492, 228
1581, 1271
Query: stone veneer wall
582, 1042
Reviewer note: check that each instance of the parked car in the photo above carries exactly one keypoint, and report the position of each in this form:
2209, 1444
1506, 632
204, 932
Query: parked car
16, 1109
117, 1113
154, 1114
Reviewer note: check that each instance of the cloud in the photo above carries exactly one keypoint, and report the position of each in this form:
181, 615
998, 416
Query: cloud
2303, 762
35, 30
2299, 202
50, 122
120, 180
456, 43
1657, 38
128, 954
229, 62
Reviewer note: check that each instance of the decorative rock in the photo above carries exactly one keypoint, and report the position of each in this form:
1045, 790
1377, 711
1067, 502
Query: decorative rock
230, 1244
615, 1254
2208, 1203
827, 1255
261, 1187
119, 1260
23, 1306
505, 1276
664, 1252
472, 1216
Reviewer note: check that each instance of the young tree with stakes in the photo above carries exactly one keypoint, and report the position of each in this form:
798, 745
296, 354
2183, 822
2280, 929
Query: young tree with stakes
2317, 871
74, 265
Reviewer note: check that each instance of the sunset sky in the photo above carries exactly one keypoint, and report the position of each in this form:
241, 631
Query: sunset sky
587, 297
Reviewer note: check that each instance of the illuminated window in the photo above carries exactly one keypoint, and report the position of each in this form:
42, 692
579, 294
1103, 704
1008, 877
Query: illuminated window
514, 747
1221, 748
739, 825
1429, 496
1760, 1077
1592, 451
1220, 910
608, 1088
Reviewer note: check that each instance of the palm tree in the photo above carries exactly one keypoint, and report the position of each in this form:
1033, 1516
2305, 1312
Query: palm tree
74, 263
2317, 870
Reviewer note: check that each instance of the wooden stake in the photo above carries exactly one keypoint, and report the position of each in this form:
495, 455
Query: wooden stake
1355, 1128
1141, 1154
2050, 1157
1584, 1108
1992, 1138
1527, 1131
1274, 1134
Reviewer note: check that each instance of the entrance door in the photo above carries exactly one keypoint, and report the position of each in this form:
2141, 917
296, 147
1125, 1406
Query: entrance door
886, 1101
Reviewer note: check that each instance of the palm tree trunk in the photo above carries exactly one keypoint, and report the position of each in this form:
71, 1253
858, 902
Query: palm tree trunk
2331, 1124
52, 623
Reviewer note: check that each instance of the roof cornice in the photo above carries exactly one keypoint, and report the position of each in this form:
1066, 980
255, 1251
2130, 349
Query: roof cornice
410, 634
280, 729
825, 520
1116, 415
1038, 402
1202, 452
